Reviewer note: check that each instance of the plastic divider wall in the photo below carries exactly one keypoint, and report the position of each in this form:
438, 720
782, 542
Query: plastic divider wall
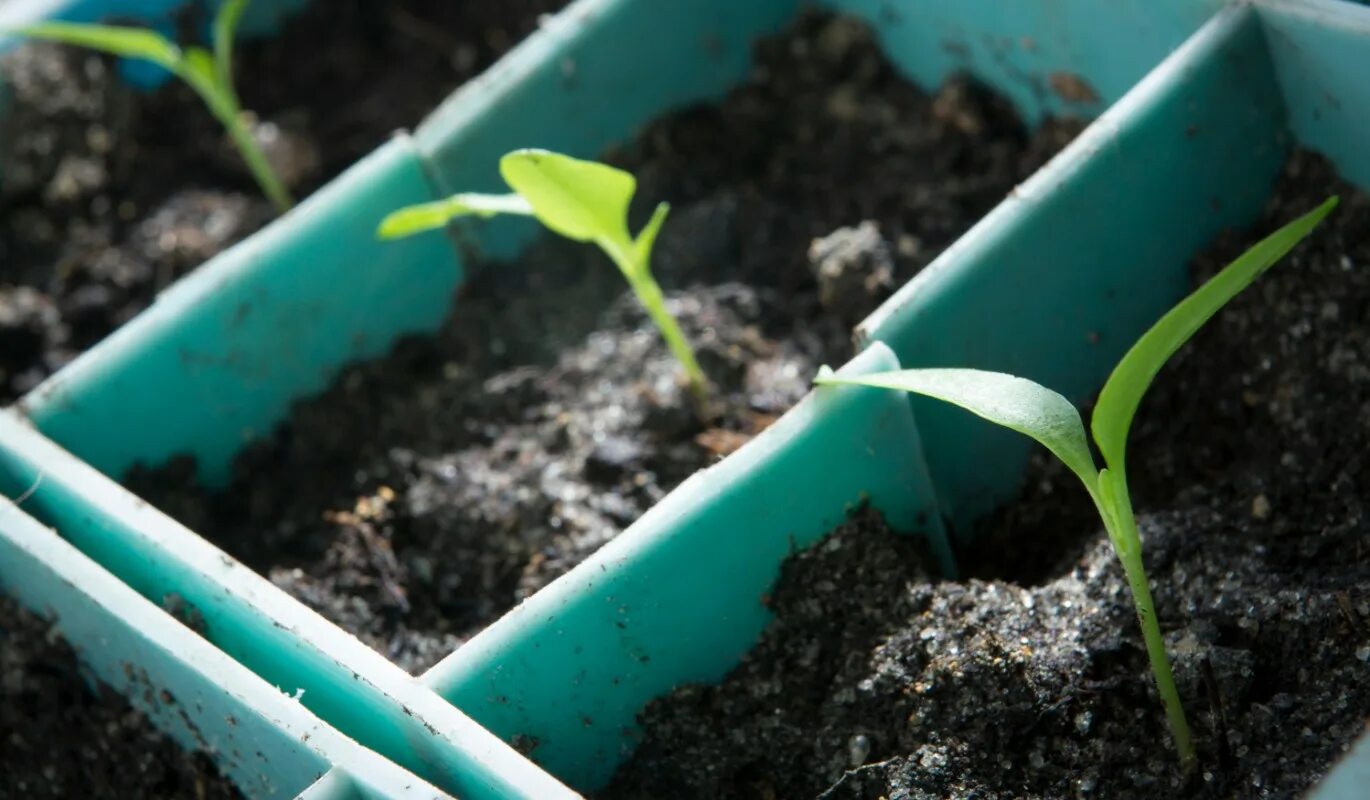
339, 678
1066, 287
569, 89
220, 356
677, 596
1058, 280
265, 741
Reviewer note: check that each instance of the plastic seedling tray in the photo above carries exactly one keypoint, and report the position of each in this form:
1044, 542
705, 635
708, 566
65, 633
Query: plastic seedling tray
252, 621
677, 597
262, 739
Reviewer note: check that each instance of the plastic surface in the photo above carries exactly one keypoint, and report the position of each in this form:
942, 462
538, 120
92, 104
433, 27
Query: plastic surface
1200, 104
265, 741
678, 597
254, 622
220, 356
1057, 282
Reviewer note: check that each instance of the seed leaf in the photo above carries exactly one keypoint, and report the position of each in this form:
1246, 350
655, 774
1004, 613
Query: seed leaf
581, 200
430, 216
197, 68
113, 39
1133, 375
1016, 403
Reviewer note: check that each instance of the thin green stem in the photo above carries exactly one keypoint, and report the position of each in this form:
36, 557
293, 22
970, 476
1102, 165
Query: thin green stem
1122, 530
261, 169
648, 293
223, 105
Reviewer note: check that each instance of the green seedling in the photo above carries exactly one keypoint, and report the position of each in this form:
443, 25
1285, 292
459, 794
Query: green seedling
584, 201
1049, 418
209, 74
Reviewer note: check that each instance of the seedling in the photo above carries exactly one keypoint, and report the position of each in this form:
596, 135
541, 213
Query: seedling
584, 201
209, 74
1046, 416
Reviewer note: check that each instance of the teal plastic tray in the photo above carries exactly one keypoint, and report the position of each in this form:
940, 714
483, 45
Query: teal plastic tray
1192, 95
260, 737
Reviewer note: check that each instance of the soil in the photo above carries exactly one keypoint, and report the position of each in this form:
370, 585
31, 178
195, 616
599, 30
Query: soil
876, 679
109, 194
428, 492
63, 736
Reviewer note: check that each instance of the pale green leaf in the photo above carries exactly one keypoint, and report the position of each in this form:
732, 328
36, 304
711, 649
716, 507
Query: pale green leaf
113, 39
1015, 403
197, 69
581, 200
432, 216
1133, 375
646, 238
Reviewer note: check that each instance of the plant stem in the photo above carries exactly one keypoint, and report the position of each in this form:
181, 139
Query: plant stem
649, 293
1122, 529
639, 275
223, 104
257, 163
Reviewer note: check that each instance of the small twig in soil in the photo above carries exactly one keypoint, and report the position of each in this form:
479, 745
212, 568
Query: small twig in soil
1348, 611
1219, 711
827, 793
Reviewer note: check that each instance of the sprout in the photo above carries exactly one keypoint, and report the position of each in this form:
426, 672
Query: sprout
1046, 416
209, 74
584, 201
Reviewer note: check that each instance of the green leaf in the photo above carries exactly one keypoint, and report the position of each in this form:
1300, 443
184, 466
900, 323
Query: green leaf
1133, 375
646, 238
197, 69
432, 216
112, 39
581, 200
1016, 403
225, 28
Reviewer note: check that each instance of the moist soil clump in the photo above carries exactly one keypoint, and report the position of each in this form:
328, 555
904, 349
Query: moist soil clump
427, 493
878, 680
61, 738
108, 194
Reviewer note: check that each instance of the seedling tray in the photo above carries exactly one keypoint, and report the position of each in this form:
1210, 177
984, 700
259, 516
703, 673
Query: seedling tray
259, 736
1189, 95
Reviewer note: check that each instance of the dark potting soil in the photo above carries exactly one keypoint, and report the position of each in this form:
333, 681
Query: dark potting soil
108, 195
876, 679
59, 738
427, 493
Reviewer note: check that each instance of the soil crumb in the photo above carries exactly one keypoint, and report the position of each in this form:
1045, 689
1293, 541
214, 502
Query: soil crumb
59, 738
877, 680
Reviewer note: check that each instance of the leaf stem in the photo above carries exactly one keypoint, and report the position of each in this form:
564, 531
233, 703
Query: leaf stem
1116, 510
226, 110
649, 293
639, 275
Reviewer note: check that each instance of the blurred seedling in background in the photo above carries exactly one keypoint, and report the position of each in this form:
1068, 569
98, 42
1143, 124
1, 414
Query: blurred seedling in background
210, 74
1048, 417
584, 201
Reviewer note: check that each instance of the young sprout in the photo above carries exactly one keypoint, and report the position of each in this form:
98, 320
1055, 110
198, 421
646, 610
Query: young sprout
209, 74
584, 201
1046, 416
